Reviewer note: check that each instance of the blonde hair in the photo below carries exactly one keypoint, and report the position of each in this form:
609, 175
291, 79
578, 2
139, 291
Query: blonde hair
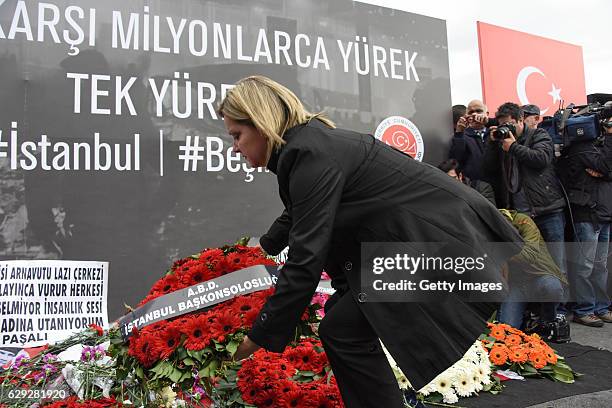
268, 106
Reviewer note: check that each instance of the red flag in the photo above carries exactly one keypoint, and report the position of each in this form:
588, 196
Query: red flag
524, 68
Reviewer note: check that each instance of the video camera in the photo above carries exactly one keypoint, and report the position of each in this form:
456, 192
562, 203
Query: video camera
576, 123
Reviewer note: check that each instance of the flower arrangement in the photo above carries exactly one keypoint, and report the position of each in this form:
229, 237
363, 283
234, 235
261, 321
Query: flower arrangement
298, 377
61, 375
466, 378
191, 352
527, 355
187, 360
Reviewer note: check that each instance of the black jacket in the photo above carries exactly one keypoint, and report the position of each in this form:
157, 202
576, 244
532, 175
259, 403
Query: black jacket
590, 197
484, 188
342, 188
528, 165
467, 148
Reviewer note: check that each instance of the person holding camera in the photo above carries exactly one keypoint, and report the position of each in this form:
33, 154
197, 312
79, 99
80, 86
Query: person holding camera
518, 163
468, 142
586, 172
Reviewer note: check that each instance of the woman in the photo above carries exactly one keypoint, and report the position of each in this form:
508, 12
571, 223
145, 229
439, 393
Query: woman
342, 188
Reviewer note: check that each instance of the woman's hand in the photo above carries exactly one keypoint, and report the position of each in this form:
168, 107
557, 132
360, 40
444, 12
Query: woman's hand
245, 349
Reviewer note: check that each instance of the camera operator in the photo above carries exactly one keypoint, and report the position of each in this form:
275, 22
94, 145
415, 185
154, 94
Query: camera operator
531, 116
468, 142
518, 163
586, 171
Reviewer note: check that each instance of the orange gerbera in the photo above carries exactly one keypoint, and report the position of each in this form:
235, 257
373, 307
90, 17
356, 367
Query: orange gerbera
498, 332
500, 346
512, 340
512, 330
538, 360
551, 356
517, 354
498, 356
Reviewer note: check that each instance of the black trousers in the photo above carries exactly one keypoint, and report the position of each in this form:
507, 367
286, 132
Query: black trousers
358, 361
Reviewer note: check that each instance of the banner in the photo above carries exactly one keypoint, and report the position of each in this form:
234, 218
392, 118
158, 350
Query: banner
205, 295
527, 69
43, 302
200, 296
110, 144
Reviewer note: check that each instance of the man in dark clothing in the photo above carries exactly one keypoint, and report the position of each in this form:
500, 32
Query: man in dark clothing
586, 171
518, 162
531, 115
468, 142
451, 167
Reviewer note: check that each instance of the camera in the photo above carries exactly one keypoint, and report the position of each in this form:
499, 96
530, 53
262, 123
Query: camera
577, 123
503, 132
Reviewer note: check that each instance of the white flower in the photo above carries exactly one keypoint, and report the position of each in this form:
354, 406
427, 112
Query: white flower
167, 396
450, 397
464, 385
403, 382
443, 383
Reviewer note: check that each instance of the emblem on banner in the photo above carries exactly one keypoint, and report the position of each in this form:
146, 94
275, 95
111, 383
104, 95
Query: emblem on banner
402, 134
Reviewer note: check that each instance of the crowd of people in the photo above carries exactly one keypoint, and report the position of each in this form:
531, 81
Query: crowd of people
559, 200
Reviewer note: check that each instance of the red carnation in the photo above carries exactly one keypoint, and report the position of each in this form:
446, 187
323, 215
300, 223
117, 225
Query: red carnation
97, 329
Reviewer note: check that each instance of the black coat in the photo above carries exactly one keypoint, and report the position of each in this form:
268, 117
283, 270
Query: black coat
590, 197
342, 188
528, 165
468, 148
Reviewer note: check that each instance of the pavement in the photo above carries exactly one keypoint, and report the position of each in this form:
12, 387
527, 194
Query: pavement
598, 337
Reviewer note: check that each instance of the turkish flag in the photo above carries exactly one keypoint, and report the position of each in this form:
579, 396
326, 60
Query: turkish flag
527, 69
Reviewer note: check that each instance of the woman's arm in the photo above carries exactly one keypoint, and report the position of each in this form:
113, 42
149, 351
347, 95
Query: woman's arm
277, 237
315, 184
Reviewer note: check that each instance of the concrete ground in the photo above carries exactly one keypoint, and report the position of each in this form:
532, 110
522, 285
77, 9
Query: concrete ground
595, 337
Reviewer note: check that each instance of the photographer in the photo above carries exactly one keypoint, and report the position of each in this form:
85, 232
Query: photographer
468, 142
518, 163
586, 172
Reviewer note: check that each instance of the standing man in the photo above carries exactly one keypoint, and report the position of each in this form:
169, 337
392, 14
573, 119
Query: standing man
469, 140
519, 164
531, 116
586, 169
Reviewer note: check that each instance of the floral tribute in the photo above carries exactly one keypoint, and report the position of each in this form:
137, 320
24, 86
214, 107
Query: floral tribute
298, 377
187, 361
526, 354
193, 353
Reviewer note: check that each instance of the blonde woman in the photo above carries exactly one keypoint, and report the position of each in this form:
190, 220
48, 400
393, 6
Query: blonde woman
341, 188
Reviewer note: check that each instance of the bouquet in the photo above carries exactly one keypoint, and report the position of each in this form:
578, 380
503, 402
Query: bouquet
527, 355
